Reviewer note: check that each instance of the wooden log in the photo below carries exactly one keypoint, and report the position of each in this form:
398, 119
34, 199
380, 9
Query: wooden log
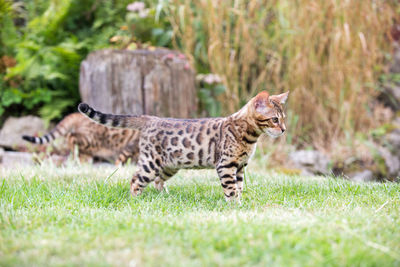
158, 82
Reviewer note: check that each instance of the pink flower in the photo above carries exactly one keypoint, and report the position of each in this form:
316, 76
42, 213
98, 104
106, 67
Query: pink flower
212, 78
135, 6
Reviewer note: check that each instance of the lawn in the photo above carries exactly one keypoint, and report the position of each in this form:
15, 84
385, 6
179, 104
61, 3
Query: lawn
84, 215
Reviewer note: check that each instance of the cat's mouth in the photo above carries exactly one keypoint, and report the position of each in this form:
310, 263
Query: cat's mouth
273, 133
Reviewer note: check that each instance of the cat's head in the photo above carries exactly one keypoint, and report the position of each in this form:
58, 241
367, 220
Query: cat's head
268, 113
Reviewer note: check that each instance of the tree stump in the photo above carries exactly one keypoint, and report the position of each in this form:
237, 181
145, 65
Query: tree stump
158, 82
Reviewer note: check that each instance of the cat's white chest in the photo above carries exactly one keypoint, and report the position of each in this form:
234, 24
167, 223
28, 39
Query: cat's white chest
252, 151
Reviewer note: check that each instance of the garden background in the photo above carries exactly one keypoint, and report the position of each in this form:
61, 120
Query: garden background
337, 59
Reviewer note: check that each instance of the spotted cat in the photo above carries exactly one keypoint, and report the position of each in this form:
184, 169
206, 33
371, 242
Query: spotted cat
167, 144
93, 139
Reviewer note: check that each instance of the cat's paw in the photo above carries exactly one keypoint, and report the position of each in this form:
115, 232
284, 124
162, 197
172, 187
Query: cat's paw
135, 190
118, 163
235, 199
159, 185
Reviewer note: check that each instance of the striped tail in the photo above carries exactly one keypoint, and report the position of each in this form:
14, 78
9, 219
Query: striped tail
62, 128
117, 121
39, 140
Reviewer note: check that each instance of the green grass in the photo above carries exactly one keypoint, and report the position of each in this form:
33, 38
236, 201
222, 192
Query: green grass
84, 215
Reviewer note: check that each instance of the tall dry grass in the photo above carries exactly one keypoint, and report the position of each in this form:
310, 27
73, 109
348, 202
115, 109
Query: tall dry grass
328, 53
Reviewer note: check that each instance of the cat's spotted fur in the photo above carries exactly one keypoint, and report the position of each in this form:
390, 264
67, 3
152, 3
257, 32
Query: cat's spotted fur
93, 139
167, 145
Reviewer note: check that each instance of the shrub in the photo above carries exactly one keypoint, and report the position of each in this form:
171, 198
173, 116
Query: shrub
55, 36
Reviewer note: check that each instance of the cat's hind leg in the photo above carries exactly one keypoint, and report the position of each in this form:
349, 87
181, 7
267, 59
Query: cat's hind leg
147, 172
122, 158
80, 147
128, 152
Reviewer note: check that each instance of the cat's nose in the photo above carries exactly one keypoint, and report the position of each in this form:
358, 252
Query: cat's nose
283, 130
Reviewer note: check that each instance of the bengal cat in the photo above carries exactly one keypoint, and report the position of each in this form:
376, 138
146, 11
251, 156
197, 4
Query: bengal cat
93, 139
167, 144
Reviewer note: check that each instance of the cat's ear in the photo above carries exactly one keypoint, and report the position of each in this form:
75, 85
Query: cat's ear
280, 98
261, 100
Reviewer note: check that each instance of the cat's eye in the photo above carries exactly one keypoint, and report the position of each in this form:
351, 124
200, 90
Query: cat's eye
275, 120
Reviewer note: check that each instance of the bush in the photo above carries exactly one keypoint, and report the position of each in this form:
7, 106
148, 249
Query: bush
54, 37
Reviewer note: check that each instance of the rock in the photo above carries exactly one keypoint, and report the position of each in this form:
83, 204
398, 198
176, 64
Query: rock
395, 65
393, 140
14, 128
11, 159
364, 176
1, 154
390, 96
392, 162
395, 91
310, 161
396, 122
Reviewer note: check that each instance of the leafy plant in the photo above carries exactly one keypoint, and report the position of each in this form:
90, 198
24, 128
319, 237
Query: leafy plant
55, 37
7, 33
210, 88
144, 27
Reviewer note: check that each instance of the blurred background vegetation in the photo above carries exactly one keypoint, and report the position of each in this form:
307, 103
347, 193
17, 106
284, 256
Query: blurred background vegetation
332, 55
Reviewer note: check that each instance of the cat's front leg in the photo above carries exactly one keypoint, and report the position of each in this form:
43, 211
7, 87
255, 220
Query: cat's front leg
227, 175
239, 179
163, 176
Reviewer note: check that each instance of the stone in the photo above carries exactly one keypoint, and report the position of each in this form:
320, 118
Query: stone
392, 162
310, 161
395, 91
12, 159
390, 96
395, 65
14, 128
393, 140
363, 176
396, 122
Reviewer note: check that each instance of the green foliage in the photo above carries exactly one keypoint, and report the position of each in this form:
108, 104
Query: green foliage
46, 74
49, 74
208, 98
147, 28
8, 34
55, 36
144, 26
